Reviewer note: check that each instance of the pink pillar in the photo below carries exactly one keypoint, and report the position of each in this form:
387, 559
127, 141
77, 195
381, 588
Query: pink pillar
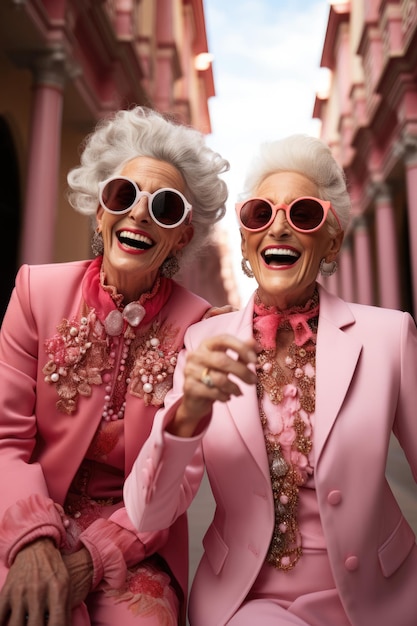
184, 87
386, 242
164, 75
411, 178
43, 164
346, 273
124, 12
363, 269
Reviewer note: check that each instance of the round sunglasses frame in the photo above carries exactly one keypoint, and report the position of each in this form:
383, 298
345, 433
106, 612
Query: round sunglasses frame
325, 205
140, 194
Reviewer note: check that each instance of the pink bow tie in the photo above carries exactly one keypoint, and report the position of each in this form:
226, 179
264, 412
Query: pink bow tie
269, 319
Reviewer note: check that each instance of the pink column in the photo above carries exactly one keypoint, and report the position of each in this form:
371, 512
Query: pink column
363, 267
164, 74
386, 243
346, 272
411, 179
43, 163
124, 16
183, 91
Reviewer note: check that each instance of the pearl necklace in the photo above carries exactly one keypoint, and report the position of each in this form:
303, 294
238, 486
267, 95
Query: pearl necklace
131, 316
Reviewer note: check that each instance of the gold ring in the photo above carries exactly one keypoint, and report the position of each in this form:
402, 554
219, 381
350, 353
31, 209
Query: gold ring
206, 378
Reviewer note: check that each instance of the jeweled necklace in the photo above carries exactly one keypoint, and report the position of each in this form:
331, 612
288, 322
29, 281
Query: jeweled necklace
292, 387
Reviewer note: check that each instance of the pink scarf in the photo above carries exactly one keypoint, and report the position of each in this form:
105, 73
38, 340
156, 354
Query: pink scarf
268, 319
134, 313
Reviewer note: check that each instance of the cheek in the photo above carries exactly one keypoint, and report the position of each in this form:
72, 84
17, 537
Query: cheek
107, 223
250, 243
315, 246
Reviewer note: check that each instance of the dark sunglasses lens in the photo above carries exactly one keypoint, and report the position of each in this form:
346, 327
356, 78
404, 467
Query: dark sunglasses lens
306, 214
168, 207
119, 194
255, 214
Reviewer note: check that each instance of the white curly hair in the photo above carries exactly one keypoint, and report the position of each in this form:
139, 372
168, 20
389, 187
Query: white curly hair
308, 156
144, 132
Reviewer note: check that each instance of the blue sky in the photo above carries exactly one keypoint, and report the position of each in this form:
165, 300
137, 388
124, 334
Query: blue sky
266, 73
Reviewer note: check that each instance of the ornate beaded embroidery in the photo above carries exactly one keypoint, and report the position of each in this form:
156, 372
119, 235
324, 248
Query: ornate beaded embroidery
289, 440
83, 354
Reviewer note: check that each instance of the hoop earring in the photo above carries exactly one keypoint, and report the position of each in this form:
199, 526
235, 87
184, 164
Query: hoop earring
327, 269
97, 244
170, 267
246, 269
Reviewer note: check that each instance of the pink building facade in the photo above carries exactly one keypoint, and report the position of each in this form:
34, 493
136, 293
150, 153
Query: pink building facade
369, 118
65, 64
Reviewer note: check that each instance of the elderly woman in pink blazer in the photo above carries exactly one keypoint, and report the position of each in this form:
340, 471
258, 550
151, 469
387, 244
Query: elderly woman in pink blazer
87, 354
290, 404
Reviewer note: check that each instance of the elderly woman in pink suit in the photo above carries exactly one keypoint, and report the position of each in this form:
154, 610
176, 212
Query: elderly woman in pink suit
290, 404
87, 354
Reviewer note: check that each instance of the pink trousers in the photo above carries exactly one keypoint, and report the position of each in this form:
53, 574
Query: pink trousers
147, 599
315, 609
102, 610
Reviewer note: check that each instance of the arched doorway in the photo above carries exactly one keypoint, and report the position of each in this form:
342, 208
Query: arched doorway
9, 214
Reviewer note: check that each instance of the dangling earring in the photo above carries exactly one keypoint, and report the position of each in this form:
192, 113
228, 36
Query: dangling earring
170, 267
246, 269
97, 244
327, 269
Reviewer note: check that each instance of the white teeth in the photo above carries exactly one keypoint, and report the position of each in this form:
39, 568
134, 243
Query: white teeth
281, 252
126, 234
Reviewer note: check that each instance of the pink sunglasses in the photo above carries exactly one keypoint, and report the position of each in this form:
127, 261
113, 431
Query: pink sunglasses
306, 214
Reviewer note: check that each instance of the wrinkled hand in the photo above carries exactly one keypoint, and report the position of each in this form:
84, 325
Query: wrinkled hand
80, 569
207, 379
37, 585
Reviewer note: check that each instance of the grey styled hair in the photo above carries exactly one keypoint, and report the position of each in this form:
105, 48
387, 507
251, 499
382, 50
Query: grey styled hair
144, 132
310, 157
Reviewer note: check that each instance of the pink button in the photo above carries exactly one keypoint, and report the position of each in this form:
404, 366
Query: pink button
334, 497
352, 563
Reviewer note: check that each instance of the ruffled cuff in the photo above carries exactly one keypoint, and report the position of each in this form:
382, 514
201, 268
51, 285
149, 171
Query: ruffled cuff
27, 520
109, 545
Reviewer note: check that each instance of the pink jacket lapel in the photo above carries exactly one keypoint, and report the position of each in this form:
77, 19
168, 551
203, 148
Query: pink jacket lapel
336, 359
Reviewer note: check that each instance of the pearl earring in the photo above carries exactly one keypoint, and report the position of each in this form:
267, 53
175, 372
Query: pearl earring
97, 244
327, 269
246, 269
170, 267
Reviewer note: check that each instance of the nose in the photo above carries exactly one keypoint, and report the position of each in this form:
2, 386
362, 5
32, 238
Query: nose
280, 224
140, 211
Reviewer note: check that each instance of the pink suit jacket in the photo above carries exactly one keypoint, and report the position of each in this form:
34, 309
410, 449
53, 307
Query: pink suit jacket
41, 448
366, 386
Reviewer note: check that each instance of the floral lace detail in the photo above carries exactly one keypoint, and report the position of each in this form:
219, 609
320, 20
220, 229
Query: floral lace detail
288, 440
82, 354
290, 387
78, 354
155, 361
148, 593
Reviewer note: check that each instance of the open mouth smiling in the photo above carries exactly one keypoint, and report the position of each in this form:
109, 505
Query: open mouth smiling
280, 256
134, 240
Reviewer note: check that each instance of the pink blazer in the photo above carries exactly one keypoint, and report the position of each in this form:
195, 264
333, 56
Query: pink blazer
40, 447
366, 386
